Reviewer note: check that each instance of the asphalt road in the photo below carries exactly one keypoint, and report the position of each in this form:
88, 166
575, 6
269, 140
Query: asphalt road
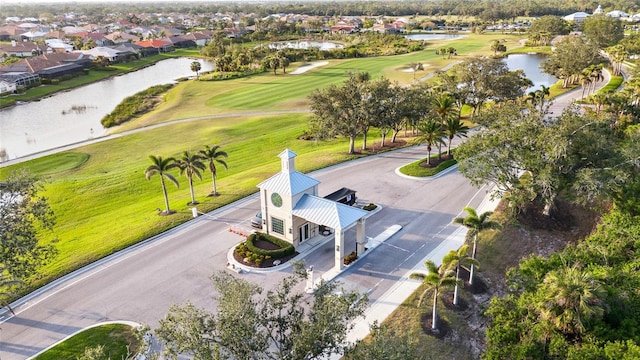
141, 283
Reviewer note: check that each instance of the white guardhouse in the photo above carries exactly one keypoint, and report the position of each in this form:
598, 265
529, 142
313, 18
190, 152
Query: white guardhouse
293, 211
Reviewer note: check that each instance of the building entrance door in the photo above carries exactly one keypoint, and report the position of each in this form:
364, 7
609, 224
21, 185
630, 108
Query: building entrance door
303, 231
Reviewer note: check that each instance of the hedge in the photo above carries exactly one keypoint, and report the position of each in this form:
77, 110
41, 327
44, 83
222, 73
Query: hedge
286, 249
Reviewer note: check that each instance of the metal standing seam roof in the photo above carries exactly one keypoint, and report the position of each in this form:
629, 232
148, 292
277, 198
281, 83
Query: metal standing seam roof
290, 183
326, 212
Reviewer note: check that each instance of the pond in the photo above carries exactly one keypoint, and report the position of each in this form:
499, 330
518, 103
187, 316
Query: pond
530, 64
73, 116
433, 36
325, 45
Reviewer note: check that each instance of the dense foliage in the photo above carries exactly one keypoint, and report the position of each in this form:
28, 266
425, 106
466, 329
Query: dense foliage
581, 303
23, 214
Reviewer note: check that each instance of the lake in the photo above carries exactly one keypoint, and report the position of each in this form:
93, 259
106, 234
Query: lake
74, 116
530, 64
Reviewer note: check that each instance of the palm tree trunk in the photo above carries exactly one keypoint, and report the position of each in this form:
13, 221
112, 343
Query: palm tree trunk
473, 256
434, 317
215, 188
455, 290
193, 198
164, 192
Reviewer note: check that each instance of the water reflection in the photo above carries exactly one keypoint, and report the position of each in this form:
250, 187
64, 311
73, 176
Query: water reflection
73, 116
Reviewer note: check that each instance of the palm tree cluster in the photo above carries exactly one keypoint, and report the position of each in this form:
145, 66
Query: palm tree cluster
447, 275
190, 165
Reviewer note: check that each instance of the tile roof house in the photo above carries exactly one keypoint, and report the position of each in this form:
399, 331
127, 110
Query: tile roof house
159, 45
20, 49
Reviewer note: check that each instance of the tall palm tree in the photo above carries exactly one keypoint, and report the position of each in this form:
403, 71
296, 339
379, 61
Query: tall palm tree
445, 106
437, 278
431, 134
161, 167
455, 259
190, 165
213, 155
570, 297
476, 224
454, 127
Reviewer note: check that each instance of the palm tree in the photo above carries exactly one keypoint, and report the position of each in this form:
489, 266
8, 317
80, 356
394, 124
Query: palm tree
195, 67
213, 155
445, 106
455, 259
432, 134
476, 224
161, 167
190, 166
454, 127
571, 297
436, 279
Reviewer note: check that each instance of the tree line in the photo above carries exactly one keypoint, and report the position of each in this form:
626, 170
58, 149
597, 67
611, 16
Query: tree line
352, 108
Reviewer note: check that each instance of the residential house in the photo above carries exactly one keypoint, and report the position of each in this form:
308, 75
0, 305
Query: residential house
157, 44
20, 79
7, 87
57, 45
576, 17
119, 37
20, 49
111, 54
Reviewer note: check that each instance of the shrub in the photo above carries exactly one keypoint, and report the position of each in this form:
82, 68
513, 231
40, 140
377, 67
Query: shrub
369, 207
286, 249
350, 258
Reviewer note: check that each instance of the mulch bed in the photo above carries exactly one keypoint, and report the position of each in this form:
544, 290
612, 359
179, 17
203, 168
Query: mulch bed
447, 301
435, 161
443, 326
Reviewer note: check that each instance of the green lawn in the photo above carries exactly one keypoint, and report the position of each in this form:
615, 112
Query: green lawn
102, 200
116, 339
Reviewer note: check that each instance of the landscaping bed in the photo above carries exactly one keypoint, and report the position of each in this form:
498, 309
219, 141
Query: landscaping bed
263, 251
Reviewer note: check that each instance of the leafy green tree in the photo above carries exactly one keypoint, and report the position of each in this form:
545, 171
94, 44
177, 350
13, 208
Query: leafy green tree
196, 67
478, 79
190, 165
161, 167
548, 24
213, 155
572, 55
249, 324
383, 343
338, 108
436, 279
476, 224
431, 133
456, 259
603, 31
497, 46
7, 283
24, 216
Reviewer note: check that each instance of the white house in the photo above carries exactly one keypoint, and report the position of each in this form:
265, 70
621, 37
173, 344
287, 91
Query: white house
617, 14
293, 211
576, 17
106, 52
7, 87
